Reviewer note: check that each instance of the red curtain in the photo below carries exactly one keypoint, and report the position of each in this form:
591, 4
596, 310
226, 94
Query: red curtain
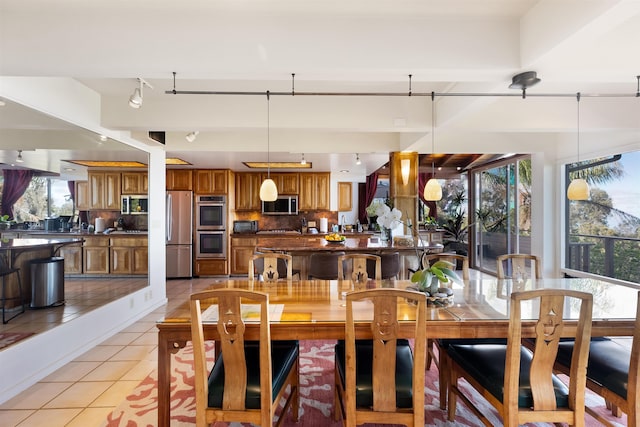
366, 193
72, 190
15, 184
423, 178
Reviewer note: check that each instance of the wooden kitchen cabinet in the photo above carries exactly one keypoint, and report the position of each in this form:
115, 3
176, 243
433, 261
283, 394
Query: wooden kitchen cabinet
72, 255
129, 255
242, 248
247, 187
314, 191
104, 190
286, 183
211, 181
344, 196
82, 195
135, 183
213, 267
179, 179
95, 253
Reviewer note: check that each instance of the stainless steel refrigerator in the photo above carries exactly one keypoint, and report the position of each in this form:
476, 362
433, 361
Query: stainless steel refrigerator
179, 234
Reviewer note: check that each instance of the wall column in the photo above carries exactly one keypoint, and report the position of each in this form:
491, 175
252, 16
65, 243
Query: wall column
404, 195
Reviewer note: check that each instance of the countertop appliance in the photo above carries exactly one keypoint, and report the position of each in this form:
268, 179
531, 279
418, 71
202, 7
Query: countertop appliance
179, 238
134, 205
245, 226
283, 205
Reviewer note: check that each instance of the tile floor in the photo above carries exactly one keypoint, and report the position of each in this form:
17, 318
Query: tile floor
83, 392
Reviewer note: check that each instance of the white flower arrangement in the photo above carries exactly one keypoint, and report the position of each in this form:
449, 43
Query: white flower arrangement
387, 217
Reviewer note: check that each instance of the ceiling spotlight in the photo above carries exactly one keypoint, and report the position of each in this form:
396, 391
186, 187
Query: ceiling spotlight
19, 159
103, 138
303, 161
135, 100
191, 136
523, 81
358, 162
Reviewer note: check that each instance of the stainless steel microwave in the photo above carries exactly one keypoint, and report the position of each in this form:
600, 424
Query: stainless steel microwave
283, 205
134, 205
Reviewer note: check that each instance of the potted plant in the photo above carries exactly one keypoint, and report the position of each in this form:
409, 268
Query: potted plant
5, 222
430, 223
429, 279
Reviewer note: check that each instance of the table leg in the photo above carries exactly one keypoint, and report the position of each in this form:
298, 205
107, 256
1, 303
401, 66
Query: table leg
164, 380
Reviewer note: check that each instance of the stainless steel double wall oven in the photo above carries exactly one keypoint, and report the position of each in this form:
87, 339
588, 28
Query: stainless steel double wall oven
211, 226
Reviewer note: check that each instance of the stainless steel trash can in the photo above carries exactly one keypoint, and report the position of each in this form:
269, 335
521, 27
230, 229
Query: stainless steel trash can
47, 282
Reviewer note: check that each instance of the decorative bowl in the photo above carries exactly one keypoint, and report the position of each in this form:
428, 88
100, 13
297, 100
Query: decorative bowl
335, 238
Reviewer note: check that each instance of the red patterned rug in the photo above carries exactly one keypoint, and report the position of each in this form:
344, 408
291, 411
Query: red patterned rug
316, 396
9, 338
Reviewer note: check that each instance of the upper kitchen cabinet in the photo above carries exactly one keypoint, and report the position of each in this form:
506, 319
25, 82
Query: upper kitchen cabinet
135, 183
211, 181
104, 190
248, 191
82, 195
286, 183
344, 196
179, 179
314, 191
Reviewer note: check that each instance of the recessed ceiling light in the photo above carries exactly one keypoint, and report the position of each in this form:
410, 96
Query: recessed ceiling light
103, 138
278, 165
175, 161
107, 164
344, 170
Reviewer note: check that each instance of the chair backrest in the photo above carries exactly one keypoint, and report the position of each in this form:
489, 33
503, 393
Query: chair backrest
389, 264
357, 264
455, 259
518, 267
633, 382
324, 265
270, 266
382, 318
231, 329
549, 327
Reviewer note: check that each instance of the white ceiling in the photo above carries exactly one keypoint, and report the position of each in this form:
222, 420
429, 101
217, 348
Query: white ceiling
448, 46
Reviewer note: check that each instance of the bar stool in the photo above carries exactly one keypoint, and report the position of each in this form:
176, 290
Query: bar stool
323, 265
6, 271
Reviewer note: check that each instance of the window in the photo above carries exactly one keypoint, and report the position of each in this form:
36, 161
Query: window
603, 233
43, 198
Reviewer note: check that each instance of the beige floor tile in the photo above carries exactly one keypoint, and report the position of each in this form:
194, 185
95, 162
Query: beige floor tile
140, 371
51, 417
110, 370
13, 417
72, 371
122, 338
36, 396
100, 353
134, 352
141, 326
91, 417
148, 338
79, 395
115, 394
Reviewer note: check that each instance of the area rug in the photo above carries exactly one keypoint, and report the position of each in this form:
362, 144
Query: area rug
316, 396
9, 338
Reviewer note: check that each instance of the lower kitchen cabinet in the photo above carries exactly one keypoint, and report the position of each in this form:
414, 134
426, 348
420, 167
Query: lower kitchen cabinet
72, 255
129, 255
95, 253
210, 267
242, 248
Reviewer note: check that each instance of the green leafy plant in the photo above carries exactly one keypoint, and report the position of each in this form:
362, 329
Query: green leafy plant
442, 270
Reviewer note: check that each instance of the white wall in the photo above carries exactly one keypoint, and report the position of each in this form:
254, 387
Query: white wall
35, 358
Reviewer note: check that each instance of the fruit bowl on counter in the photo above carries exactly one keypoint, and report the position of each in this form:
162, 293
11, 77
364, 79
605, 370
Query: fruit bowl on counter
335, 238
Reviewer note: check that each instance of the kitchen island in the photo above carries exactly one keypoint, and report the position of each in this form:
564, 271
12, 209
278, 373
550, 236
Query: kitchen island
18, 253
302, 248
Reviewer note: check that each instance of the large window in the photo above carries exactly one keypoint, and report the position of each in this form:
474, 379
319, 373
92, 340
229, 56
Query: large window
502, 208
603, 233
45, 197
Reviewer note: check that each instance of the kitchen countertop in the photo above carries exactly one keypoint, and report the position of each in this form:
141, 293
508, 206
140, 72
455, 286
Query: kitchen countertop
83, 233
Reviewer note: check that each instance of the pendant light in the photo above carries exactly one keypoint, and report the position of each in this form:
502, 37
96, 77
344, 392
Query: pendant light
578, 188
268, 189
433, 190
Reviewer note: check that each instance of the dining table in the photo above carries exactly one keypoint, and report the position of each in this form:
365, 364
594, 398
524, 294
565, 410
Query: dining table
315, 310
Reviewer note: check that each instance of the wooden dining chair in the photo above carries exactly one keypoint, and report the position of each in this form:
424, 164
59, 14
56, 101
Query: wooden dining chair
518, 267
357, 264
613, 372
5, 273
519, 383
381, 380
270, 266
258, 372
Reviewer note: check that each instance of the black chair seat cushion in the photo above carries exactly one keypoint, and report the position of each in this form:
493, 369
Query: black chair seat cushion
364, 369
283, 357
608, 364
444, 343
486, 363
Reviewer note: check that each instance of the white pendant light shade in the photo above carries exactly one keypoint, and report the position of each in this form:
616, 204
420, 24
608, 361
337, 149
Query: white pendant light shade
578, 190
135, 100
433, 190
268, 190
